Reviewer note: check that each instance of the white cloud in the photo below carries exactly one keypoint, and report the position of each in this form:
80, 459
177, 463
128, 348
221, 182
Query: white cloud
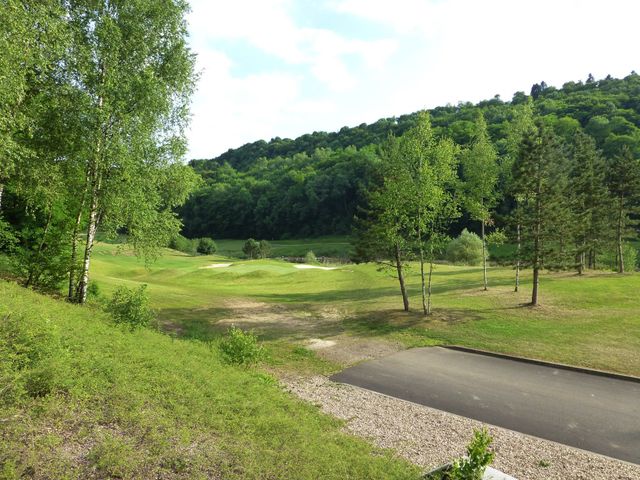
418, 53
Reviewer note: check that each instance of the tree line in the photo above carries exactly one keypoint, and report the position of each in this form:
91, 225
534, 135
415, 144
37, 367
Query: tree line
313, 185
93, 104
569, 202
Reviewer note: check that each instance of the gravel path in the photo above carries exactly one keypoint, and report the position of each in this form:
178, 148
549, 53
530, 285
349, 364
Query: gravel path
429, 437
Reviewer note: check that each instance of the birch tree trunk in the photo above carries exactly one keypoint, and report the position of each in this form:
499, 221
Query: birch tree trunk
403, 289
423, 283
81, 294
1, 192
484, 258
518, 258
429, 287
74, 249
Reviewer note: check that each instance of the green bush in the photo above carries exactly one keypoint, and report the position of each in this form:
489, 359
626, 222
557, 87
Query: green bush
310, 258
241, 348
184, 245
251, 248
478, 458
130, 307
465, 250
265, 249
93, 291
473, 466
206, 246
630, 256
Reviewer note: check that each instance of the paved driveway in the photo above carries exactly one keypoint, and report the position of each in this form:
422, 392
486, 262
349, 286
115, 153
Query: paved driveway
579, 409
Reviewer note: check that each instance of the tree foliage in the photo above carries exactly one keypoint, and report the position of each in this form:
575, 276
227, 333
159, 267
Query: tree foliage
317, 183
93, 105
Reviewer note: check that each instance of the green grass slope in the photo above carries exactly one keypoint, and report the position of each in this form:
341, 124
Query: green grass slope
81, 398
590, 321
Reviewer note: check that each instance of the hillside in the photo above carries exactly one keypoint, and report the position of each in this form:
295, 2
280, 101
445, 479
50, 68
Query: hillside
314, 185
81, 398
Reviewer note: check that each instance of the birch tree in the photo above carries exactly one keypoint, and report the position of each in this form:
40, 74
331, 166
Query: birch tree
134, 70
430, 171
480, 173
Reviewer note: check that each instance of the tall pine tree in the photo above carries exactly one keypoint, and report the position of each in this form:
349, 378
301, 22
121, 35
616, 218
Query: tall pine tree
590, 202
623, 180
540, 181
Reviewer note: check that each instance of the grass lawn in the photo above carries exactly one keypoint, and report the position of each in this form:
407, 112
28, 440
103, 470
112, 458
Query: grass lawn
590, 321
82, 398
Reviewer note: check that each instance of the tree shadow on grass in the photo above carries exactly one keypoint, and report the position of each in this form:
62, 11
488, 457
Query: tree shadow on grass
388, 322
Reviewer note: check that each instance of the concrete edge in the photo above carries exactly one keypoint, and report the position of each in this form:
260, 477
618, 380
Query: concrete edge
544, 363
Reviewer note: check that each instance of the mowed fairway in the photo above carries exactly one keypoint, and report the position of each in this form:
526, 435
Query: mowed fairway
591, 321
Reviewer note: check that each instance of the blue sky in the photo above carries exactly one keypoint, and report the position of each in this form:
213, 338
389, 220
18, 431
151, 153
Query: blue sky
288, 67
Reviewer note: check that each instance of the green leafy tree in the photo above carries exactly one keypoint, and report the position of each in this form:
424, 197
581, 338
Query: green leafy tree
427, 184
466, 249
251, 248
624, 184
383, 229
540, 181
134, 73
480, 172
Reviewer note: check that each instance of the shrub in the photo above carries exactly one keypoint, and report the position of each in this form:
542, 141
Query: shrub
265, 249
465, 250
471, 467
241, 348
206, 246
478, 458
184, 245
93, 290
130, 307
251, 248
310, 257
629, 254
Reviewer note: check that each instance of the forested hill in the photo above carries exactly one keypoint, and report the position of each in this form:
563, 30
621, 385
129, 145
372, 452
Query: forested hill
312, 185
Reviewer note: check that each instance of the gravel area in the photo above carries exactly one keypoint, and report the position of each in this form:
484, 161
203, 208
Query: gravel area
429, 437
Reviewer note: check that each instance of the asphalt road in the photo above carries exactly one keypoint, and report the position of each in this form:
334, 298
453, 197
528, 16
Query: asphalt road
583, 410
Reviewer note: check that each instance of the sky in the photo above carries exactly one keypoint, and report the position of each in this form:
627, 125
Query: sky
283, 68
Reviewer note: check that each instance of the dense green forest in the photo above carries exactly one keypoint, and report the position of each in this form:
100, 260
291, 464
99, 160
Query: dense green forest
316, 184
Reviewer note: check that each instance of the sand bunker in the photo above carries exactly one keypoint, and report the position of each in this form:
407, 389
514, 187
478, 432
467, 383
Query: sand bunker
217, 265
305, 266
317, 344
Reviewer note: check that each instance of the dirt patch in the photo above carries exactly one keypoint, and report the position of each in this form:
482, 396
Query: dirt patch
278, 321
347, 350
319, 344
